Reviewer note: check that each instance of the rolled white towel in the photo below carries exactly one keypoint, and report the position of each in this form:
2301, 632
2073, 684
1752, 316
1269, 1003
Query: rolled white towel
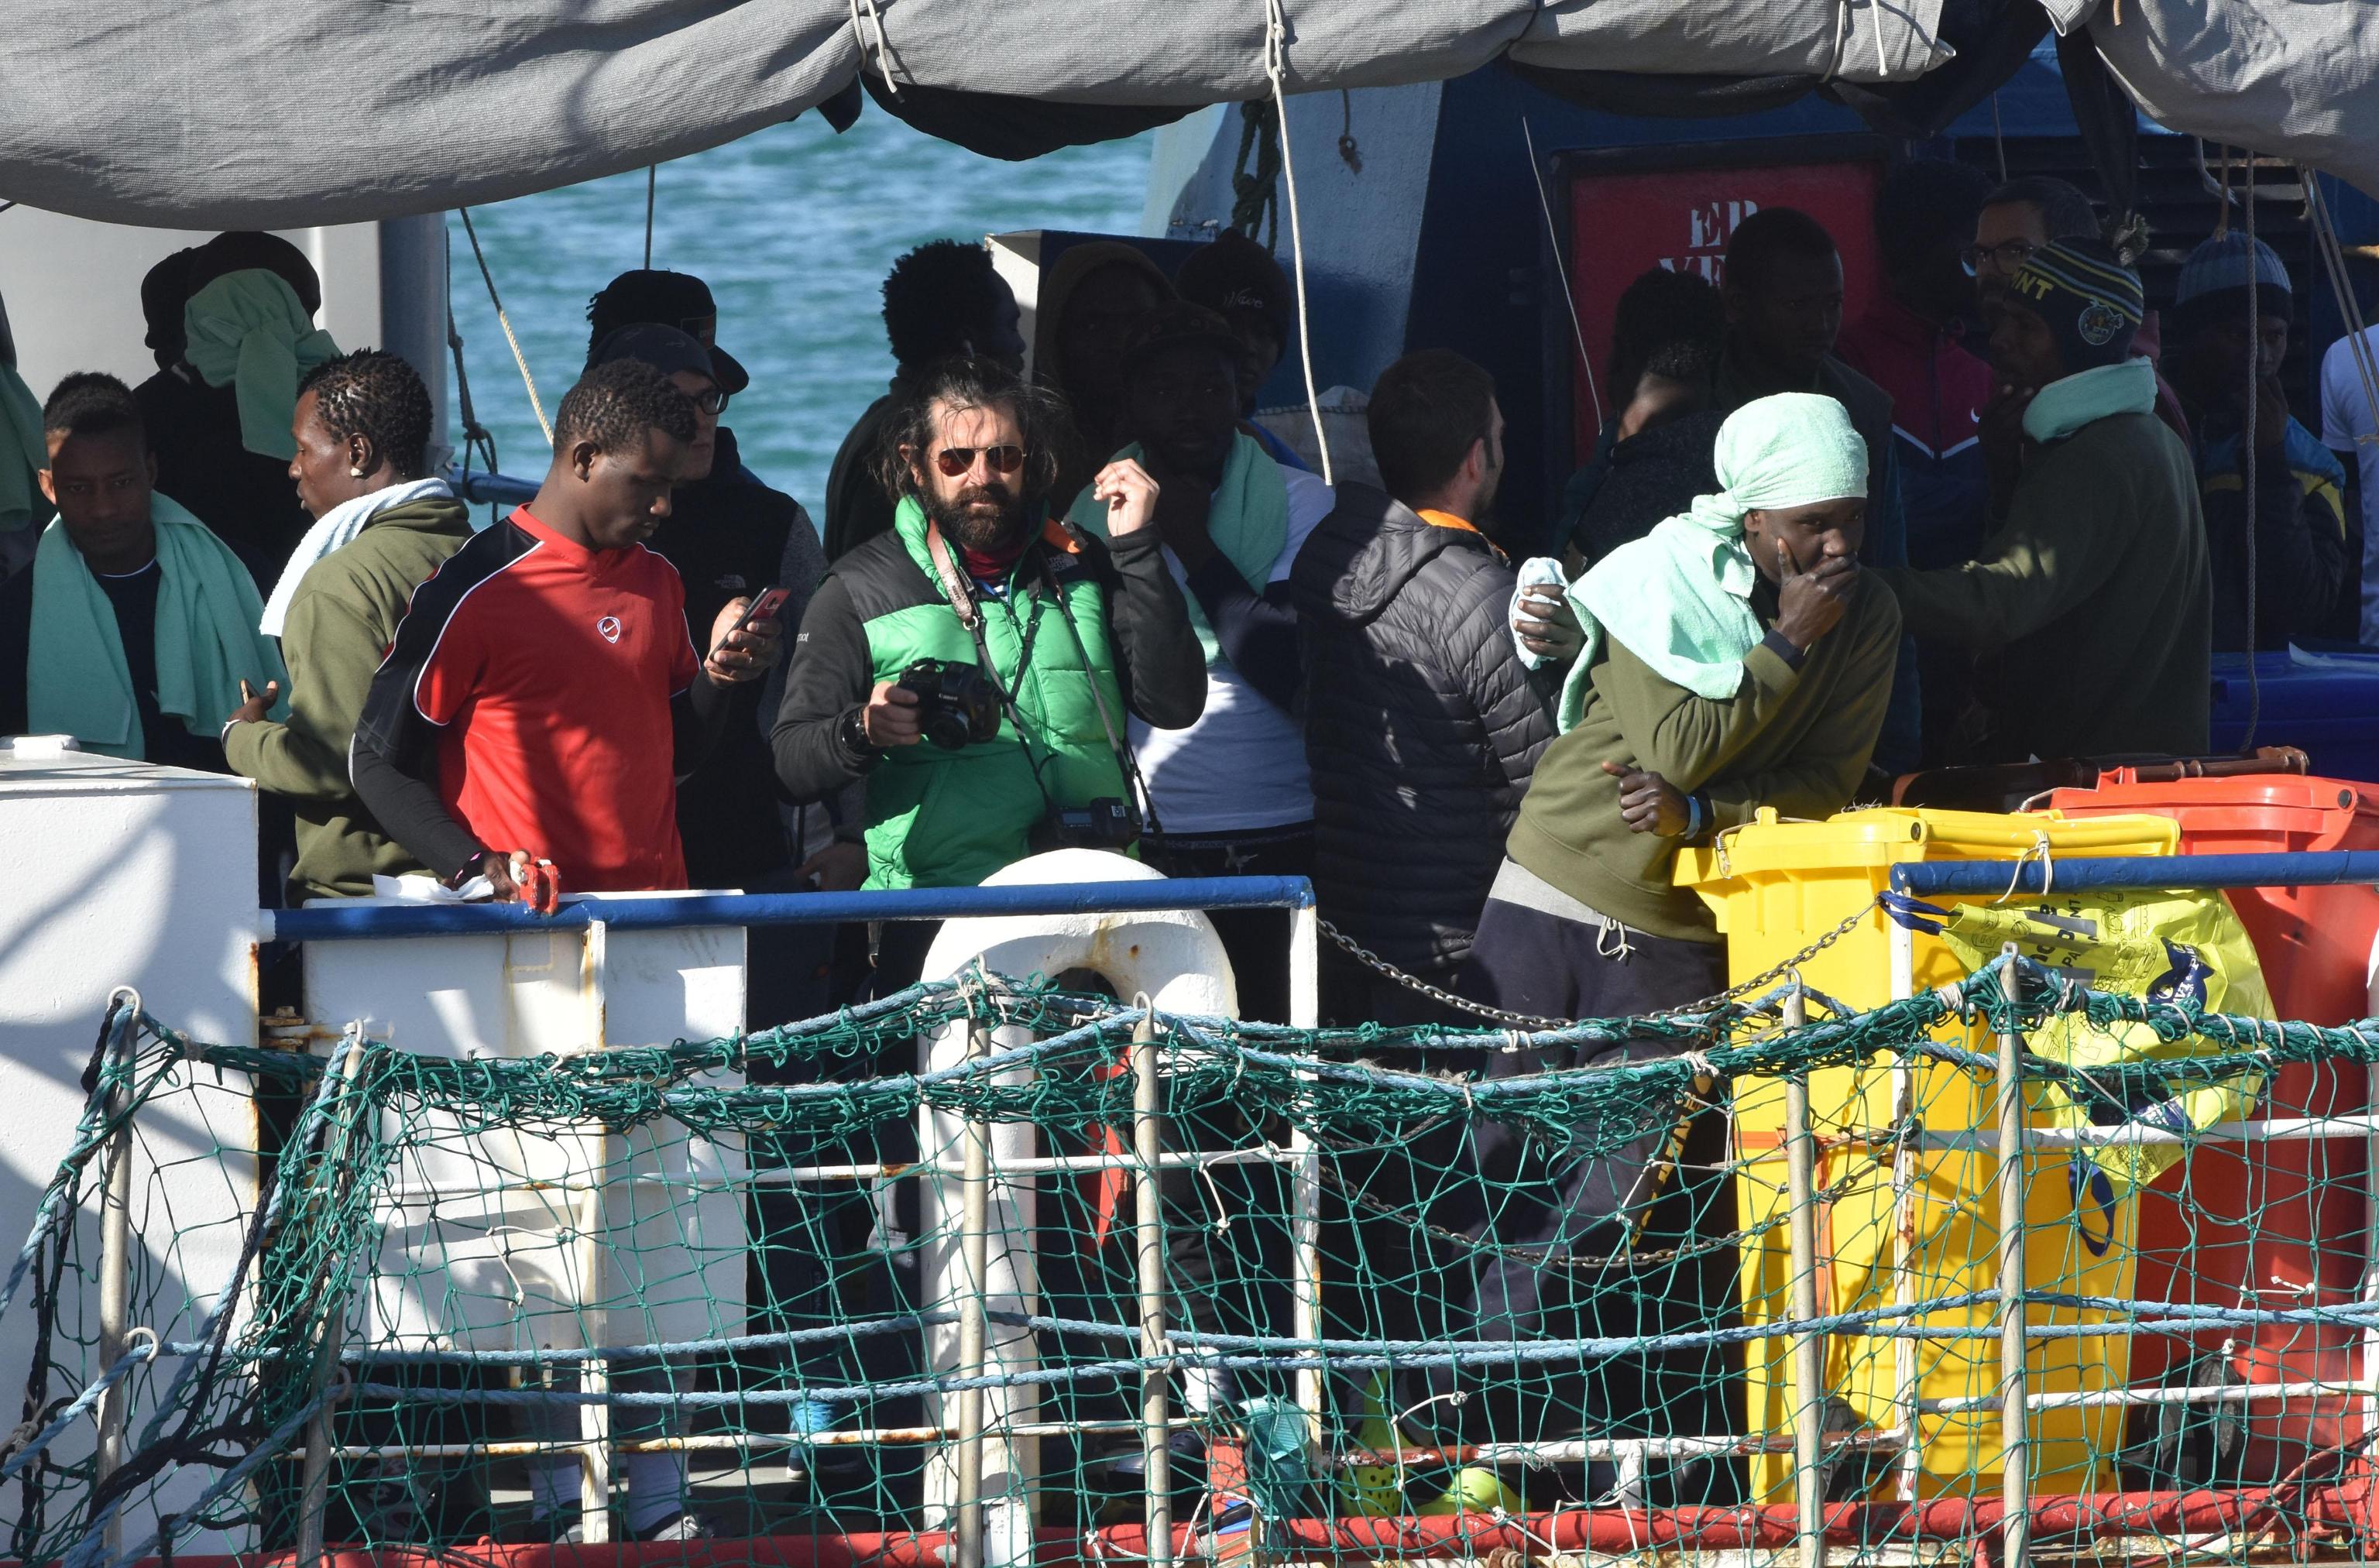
1537, 571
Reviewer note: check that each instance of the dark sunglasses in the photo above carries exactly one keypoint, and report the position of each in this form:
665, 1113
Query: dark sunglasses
956, 461
710, 400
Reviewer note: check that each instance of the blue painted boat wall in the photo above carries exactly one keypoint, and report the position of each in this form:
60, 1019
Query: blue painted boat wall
1438, 240
1362, 229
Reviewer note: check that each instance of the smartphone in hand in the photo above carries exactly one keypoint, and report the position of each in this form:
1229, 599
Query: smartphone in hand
763, 607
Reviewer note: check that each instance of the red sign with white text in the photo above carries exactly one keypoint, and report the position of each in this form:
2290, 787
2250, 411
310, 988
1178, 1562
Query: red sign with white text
1623, 223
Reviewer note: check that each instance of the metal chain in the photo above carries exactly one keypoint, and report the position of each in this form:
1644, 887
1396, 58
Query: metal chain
1525, 1020
1769, 976
1414, 983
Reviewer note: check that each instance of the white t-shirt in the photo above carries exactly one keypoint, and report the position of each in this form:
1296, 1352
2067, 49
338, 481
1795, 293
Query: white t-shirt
1242, 766
2349, 429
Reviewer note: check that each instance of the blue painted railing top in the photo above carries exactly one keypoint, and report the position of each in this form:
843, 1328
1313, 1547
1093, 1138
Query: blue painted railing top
2310, 869
480, 486
334, 921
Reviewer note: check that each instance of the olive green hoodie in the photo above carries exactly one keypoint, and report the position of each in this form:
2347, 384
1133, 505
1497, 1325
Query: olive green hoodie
1794, 738
340, 624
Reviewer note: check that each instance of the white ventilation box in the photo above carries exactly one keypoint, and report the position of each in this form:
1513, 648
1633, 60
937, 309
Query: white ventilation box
482, 1248
124, 874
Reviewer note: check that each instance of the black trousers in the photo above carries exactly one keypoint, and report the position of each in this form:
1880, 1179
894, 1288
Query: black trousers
1354, 993
1227, 1253
1542, 1208
1255, 940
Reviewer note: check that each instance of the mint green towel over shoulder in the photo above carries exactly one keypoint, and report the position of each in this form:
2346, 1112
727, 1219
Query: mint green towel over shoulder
248, 329
2087, 396
23, 453
1247, 521
1680, 597
76, 680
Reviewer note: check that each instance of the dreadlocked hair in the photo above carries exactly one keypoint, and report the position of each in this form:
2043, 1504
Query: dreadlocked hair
971, 381
377, 395
614, 405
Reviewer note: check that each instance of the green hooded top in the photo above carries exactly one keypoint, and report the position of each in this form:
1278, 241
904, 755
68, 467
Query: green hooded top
341, 623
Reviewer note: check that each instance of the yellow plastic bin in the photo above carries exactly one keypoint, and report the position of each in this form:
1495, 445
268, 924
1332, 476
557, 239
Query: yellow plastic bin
1776, 887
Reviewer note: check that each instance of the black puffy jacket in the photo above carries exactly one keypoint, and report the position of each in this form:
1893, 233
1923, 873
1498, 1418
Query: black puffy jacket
1421, 725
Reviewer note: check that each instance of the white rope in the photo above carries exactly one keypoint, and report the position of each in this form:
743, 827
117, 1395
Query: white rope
2333, 257
882, 52
536, 404
1561, 268
1275, 67
2048, 868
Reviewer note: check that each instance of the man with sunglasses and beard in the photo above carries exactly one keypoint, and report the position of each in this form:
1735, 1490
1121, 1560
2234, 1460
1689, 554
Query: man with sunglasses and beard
977, 576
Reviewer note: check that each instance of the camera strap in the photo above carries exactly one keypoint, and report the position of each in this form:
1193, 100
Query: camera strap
1124, 759
954, 582
961, 597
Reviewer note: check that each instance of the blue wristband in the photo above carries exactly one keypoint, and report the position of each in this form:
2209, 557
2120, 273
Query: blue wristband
1694, 816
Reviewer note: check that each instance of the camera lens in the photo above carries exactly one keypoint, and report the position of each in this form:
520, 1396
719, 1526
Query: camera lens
946, 729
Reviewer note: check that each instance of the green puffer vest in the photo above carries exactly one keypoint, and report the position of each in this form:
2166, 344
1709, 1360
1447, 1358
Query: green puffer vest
949, 819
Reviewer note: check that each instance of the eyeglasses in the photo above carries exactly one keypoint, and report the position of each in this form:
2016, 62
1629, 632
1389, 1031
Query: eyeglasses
711, 401
956, 461
2005, 257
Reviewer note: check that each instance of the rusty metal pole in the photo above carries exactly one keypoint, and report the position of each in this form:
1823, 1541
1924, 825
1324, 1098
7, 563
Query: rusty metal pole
2015, 1479
115, 1274
1148, 1138
594, 1373
597, 1143
1305, 1167
975, 1249
314, 1475
1808, 1344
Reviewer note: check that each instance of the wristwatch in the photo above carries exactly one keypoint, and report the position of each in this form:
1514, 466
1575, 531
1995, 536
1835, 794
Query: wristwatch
853, 733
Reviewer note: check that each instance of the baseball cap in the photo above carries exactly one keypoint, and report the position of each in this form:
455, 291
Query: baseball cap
664, 348
671, 299
1233, 274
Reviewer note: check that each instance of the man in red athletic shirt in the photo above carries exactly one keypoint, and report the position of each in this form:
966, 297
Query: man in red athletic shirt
541, 698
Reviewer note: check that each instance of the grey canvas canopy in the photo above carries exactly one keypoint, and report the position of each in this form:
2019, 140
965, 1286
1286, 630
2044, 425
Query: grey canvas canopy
211, 114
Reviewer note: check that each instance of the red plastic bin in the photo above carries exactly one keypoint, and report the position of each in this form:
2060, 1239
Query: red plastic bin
2271, 1225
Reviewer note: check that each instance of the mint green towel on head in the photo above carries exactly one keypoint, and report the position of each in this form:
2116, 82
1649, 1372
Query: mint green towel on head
24, 453
1680, 597
76, 680
1248, 519
248, 329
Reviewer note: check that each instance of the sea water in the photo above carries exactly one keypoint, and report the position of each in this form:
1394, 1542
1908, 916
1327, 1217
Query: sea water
794, 228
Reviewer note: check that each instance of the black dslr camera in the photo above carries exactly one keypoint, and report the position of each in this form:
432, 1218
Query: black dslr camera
1104, 824
956, 706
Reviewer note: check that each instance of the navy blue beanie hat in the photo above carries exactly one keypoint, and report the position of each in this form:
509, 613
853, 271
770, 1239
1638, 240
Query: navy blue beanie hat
2088, 297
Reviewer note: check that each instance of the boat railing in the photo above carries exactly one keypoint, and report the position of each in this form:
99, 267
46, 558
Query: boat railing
2019, 1318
